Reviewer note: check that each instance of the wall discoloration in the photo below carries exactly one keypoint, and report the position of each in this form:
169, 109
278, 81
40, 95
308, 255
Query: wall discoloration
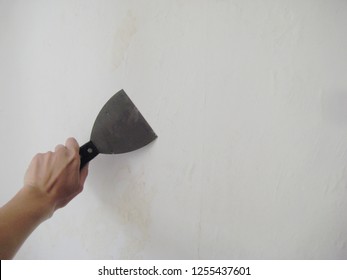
133, 206
126, 200
123, 37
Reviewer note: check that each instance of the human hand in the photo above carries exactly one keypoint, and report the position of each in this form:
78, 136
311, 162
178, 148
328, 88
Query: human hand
51, 181
56, 175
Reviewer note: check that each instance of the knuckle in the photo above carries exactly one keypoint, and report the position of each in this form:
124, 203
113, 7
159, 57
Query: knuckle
38, 157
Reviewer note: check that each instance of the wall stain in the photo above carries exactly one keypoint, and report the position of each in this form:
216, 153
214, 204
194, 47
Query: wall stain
123, 37
133, 208
126, 200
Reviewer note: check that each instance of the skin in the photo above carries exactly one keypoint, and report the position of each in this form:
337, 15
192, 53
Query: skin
51, 181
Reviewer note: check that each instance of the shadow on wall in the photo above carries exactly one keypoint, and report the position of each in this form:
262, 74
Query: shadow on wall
118, 182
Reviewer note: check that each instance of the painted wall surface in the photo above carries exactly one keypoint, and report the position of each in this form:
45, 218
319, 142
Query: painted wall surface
248, 98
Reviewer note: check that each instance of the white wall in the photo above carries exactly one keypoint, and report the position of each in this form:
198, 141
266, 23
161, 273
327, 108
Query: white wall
248, 98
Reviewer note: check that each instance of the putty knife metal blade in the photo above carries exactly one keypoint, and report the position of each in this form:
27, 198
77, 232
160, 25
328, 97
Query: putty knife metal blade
119, 128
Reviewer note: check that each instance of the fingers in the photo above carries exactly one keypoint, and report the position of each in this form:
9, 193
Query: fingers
72, 144
58, 147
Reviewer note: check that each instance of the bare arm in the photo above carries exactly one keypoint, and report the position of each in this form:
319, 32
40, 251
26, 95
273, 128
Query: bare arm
52, 180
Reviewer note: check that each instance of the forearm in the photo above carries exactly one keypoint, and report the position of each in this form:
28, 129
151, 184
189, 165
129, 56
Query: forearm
19, 217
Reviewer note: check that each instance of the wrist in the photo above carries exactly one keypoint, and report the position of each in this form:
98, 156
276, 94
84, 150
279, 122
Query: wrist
38, 203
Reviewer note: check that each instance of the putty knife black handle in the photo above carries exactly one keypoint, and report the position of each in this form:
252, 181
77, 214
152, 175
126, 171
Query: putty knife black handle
87, 152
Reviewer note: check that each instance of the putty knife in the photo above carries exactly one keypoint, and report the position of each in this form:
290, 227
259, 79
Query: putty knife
118, 128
